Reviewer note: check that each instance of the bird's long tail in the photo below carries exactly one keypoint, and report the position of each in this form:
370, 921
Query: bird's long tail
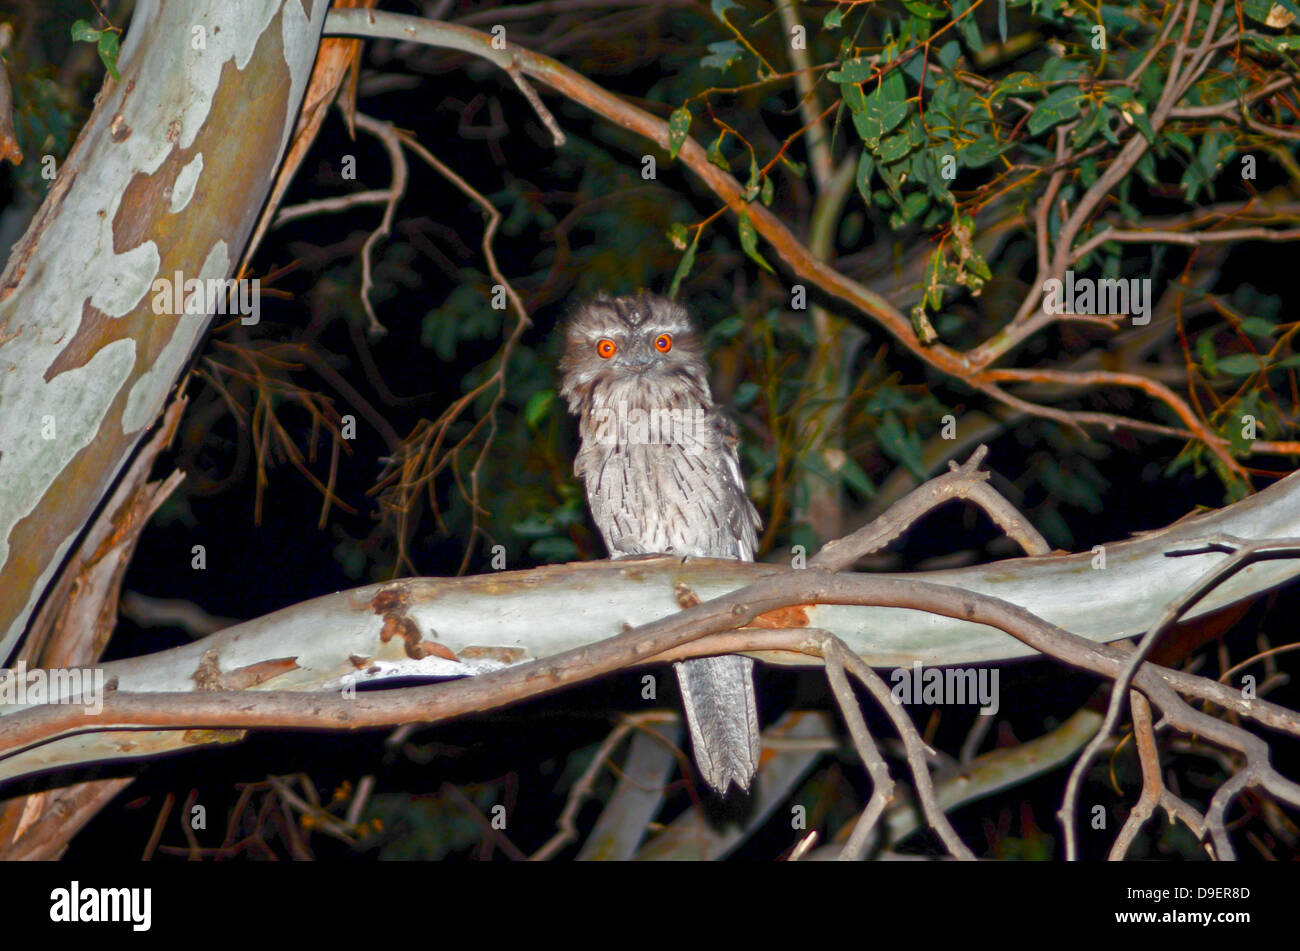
718, 693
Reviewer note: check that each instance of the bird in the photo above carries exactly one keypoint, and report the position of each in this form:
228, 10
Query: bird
660, 467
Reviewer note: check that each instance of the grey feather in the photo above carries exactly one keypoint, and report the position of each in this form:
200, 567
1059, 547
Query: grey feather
666, 483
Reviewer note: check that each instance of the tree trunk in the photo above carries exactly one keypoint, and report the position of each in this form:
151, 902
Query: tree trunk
164, 183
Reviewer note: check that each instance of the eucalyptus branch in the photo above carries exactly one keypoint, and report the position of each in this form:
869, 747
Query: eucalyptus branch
1242, 554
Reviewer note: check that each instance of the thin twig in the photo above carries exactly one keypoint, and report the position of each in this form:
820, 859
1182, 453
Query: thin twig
566, 828
1154, 792
963, 481
534, 100
882, 791
387, 134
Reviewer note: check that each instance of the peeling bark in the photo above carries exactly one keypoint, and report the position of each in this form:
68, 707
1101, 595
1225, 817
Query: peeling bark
168, 176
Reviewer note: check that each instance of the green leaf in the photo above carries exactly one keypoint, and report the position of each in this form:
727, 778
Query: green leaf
538, 407
797, 169
970, 31
1281, 45
853, 97
833, 19
901, 445
768, 191
1249, 299
749, 242
917, 8
1132, 110
1279, 14
1146, 168
1015, 84
1258, 327
83, 31
913, 205
1143, 122
1193, 181
949, 53
878, 118
890, 176
914, 131
892, 115
679, 126
1109, 134
894, 148
714, 153
720, 8
753, 185
980, 152
1241, 364
1216, 149
866, 165
1088, 172
856, 479
868, 128
722, 54
1205, 351
853, 70
107, 46
677, 234
1082, 134
1061, 105
892, 87
684, 265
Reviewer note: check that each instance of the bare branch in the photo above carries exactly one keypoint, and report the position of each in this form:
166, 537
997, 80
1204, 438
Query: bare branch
882, 791
964, 481
1190, 238
1154, 792
386, 134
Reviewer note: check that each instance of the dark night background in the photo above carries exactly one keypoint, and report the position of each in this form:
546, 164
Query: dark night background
569, 232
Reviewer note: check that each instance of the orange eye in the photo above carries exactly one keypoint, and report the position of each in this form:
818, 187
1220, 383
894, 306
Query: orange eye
663, 343
606, 348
